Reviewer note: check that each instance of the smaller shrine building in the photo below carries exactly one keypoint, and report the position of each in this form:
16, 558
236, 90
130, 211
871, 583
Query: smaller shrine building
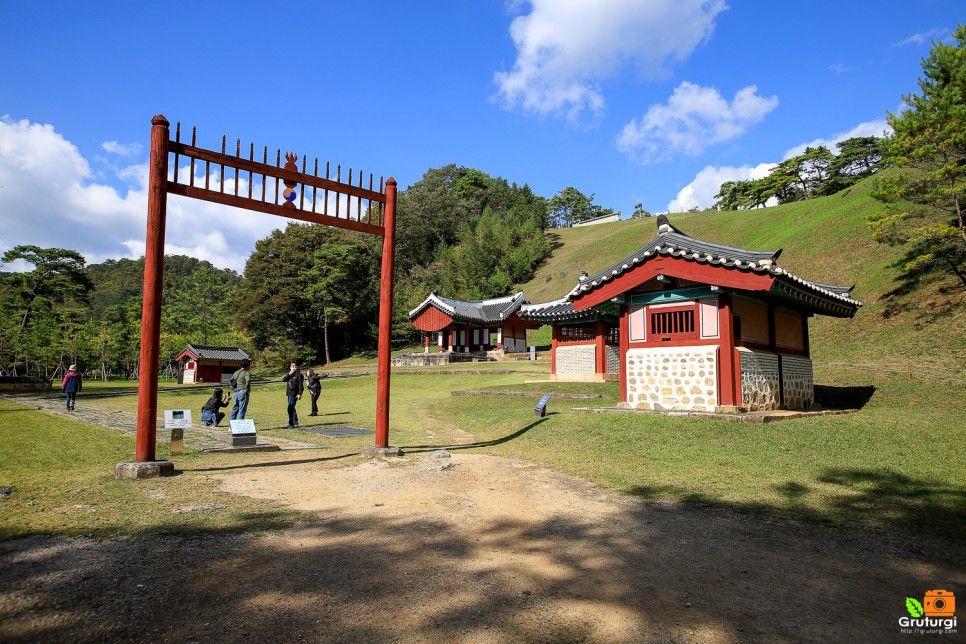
472, 325
202, 363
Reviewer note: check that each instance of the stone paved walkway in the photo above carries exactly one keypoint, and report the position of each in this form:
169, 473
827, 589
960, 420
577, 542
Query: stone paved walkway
199, 438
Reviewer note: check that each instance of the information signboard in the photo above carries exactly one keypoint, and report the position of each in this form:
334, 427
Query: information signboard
541, 408
177, 419
246, 426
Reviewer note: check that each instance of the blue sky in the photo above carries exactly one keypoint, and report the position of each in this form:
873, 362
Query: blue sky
635, 101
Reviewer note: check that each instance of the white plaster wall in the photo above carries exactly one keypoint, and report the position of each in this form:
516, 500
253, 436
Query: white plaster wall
673, 378
577, 359
759, 379
613, 358
798, 381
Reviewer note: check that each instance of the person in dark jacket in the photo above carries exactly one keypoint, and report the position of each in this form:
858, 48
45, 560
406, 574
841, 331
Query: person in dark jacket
211, 413
73, 382
314, 385
294, 389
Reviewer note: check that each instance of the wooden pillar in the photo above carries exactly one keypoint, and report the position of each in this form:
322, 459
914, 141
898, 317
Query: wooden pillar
385, 318
625, 339
805, 343
600, 363
773, 347
151, 301
426, 333
554, 343
726, 353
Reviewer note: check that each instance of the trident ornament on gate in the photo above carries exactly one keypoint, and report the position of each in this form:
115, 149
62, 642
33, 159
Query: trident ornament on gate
290, 193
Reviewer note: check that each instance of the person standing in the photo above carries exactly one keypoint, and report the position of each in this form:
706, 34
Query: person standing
242, 387
73, 382
211, 413
294, 389
313, 384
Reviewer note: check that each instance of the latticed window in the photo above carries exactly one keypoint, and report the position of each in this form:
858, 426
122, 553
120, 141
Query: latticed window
613, 335
577, 333
679, 322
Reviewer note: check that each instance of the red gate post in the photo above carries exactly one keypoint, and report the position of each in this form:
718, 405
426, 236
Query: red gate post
145, 465
381, 447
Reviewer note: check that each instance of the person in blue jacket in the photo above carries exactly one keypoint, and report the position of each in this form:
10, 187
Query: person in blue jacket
73, 382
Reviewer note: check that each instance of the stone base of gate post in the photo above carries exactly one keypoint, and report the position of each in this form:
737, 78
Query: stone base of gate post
143, 469
376, 452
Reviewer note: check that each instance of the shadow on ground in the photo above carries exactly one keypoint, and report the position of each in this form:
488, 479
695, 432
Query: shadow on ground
644, 571
832, 397
881, 497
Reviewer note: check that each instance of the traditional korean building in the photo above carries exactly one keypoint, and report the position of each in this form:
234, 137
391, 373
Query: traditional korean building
202, 363
692, 325
472, 325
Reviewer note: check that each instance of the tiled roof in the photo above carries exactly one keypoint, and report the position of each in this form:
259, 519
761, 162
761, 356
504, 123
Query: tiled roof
562, 309
489, 311
206, 352
671, 242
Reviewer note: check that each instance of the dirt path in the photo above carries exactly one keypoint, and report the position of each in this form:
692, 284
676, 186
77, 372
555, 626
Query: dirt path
473, 548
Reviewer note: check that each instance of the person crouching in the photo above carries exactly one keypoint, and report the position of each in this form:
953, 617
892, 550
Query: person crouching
211, 413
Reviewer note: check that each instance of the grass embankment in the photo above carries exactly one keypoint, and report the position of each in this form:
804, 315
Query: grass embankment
899, 462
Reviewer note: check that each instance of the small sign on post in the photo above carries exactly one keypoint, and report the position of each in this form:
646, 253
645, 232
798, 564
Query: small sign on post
541, 409
242, 432
177, 420
177, 441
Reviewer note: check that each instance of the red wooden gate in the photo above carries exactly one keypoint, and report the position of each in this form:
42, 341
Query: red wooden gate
366, 208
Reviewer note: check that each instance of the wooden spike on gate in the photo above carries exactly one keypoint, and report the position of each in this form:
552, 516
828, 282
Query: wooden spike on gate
177, 138
194, 136
221, 174
251, 157
264, 162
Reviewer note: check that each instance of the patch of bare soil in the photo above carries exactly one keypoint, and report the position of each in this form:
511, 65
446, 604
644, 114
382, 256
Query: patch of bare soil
472, 548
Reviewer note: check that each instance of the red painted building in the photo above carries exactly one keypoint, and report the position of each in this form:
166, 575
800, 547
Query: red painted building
692, 325
201, 363
472, 325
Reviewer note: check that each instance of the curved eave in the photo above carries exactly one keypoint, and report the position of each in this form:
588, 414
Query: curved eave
815, 300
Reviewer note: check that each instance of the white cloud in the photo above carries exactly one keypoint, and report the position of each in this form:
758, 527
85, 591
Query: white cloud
701, 191
49, 198
566, 47
923, 37
877, 128
693, 119
120, 149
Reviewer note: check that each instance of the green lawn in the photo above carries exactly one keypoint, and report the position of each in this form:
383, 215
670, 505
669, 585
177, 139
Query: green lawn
899, 461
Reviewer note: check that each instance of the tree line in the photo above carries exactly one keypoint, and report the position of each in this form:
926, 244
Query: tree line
816, 172
64, 312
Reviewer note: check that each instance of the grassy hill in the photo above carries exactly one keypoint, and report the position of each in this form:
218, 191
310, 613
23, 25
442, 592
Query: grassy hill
825, 240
